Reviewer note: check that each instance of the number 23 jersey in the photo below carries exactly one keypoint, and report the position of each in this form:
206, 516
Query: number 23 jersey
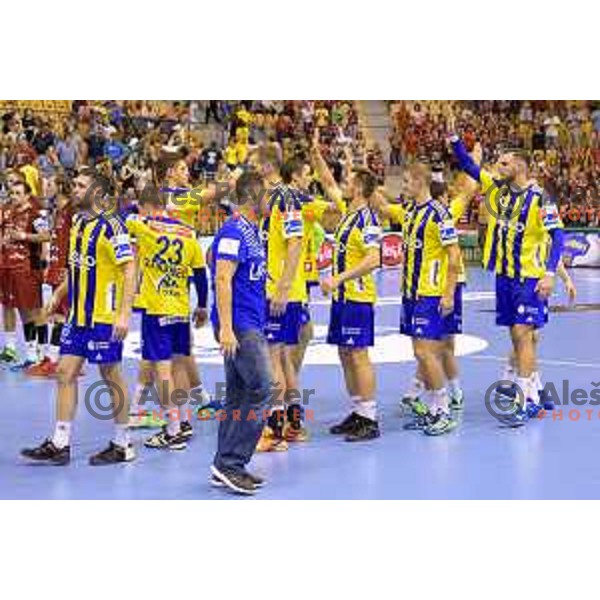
167, 253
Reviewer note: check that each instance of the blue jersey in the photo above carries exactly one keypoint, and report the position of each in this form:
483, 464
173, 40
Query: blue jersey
239, 241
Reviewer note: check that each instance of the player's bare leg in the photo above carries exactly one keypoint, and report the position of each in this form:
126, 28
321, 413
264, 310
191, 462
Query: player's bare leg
170, 437
120, 448
452, 373
271, 439
428, 354
299, 351
359, 373
8, 354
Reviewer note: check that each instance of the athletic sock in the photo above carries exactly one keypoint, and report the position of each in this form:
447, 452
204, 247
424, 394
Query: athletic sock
121, 435
367, 409
415, 389
355, 402
54, 350
29, 333
439, 401
174, 425
508, 373
62, 434
537, 381
525, 385
453, 385
10, 339
42, 338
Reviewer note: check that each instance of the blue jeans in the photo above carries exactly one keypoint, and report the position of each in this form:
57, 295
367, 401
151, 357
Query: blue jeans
248, 380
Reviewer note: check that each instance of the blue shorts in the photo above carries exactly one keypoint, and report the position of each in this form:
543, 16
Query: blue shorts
351, 324
421, 318
164, 337
285, 328
517, 303
95, 344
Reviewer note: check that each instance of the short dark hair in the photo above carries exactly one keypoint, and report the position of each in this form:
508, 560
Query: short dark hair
368, 182
521, 155
290, 168
98, 179
249, 186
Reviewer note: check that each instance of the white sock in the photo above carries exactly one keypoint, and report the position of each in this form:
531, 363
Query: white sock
537, 381
31, 351
10, 339
367, 409
527, 387
439, 401
121, 435
415, 389
53, 353
508, 372
453, 385
62, 434
173, 426
355, 402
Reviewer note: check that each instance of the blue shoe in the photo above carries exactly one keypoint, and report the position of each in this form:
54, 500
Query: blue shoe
516, 419
533, 409
545, 400
22, 365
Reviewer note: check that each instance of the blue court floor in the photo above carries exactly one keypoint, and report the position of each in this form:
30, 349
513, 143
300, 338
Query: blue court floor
551, 458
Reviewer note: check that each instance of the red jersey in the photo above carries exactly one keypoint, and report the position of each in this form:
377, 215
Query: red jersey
59, 246
20, 255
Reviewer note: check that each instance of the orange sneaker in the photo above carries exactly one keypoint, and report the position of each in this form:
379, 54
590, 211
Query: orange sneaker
45, 368
294, 434
269, 442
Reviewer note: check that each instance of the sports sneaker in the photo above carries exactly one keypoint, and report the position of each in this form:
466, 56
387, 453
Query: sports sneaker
48, 452
418, 422
517, 418
439, 424
457, 400
146, 420
186, 430
163, 440
22, 366
112, 455
295, 432
256, 480
346, 425
45, 368
363, 430
546, 399
236, 481
269, 442
8, 355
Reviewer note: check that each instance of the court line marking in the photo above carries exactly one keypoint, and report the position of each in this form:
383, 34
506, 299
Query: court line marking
545, 361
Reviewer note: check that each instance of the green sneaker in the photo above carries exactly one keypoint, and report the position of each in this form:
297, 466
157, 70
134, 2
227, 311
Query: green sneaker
457, 400
9, 355
439, 424
419, 408
146, 421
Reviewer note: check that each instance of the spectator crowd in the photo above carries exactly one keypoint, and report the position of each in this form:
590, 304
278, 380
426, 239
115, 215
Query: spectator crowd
563, 136
125, 139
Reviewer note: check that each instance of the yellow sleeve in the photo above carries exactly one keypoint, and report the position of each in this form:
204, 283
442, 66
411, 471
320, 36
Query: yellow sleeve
458, 207
396, 213
486, 180
198, 261
313, 211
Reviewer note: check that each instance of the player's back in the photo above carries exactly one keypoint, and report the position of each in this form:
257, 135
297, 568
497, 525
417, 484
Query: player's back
168, 252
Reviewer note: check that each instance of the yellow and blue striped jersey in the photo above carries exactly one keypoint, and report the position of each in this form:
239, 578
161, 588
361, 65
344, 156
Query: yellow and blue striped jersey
518, 221
98, 246
427, 229
358, 232
167, 254
457, 207
283, 222
518, 224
